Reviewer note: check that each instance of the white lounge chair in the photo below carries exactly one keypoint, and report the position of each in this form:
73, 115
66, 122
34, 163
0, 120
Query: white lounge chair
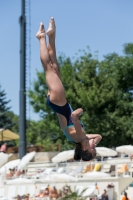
77, 171
47, 171
106, 168
60, 170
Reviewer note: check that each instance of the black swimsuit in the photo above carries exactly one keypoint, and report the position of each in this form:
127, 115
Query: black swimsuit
66, 111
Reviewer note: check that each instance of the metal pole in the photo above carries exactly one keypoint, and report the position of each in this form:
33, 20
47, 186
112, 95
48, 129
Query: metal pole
22, 92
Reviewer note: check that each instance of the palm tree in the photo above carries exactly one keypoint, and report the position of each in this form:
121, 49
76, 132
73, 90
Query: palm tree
74, 195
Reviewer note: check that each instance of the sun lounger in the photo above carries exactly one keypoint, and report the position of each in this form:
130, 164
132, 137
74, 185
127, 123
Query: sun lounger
106, 168
97, 167
123, 169
60, 170
89, 168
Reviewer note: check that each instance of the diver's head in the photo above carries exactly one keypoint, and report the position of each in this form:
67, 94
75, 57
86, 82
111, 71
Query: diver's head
86, 153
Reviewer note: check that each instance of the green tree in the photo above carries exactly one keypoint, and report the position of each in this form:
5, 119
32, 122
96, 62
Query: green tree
117, 103
74, 194
128, 49
104, 91
14, 128
5, 120
15, 121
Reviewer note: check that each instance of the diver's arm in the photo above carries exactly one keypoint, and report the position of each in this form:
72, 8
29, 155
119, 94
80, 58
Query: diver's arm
76, 113
96, 137
80, 134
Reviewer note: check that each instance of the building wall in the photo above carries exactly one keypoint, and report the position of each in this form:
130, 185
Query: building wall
34, 188
124, 183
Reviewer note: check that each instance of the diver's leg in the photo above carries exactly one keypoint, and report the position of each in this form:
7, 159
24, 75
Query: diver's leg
51, 45
56, 89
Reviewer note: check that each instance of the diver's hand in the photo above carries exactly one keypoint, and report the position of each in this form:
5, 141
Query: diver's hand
77, 113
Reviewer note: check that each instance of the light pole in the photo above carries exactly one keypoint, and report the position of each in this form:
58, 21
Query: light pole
22, 92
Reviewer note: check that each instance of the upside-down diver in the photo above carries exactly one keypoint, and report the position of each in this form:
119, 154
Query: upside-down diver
56, 99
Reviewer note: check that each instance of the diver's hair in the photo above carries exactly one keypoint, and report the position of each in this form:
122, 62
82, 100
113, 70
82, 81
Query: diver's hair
125, 194
80, 154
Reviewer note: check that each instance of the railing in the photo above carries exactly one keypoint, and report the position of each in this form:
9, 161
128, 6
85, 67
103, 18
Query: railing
35, 170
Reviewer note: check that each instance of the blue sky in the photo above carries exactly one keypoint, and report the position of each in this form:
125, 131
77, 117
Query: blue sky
103, 25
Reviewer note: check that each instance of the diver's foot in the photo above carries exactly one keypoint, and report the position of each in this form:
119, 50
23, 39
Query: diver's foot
41, 33
51, 28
